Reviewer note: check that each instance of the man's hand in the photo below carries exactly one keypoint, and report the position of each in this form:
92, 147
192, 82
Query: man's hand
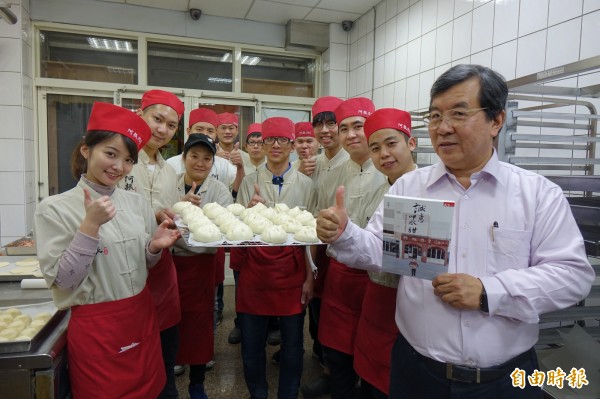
461, 291
166, 215
256, 198
163, 237
191, 196
307, 290
222, 153
333, 220
308, 165
235, 157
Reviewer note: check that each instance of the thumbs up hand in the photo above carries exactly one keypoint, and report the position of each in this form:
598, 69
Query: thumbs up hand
192, 196
97, 212
256, 198
333, 220
235, 157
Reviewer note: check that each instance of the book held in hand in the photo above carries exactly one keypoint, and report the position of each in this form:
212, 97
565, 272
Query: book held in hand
416, 236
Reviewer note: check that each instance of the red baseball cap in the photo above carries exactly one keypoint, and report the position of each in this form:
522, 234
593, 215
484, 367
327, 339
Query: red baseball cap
254, 128
203, 115
324, 104
388, 118
227, 118
304, 129
358, 106
112, 118
152, 97
278, 126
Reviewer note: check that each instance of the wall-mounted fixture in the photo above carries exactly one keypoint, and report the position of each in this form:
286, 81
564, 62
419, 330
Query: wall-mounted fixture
6, 14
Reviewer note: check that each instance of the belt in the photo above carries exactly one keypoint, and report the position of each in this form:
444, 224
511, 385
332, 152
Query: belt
476, 375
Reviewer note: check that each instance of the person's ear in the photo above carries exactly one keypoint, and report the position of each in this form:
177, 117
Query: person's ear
497, 123
85, 151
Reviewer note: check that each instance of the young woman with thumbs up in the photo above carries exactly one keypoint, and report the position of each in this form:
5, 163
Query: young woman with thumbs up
96, 243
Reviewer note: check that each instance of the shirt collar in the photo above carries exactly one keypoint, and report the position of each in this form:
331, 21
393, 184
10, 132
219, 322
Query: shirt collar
492, 168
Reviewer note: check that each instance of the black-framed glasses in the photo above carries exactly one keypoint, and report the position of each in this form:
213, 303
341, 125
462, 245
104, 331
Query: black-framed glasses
255, 143
329, 125
279, 140
456, 117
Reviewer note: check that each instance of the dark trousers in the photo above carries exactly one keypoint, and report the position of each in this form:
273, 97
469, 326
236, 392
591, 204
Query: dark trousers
368, 391
169, 341
236, 277
254, 341
314, 312
343, 377
410, 378
197, 374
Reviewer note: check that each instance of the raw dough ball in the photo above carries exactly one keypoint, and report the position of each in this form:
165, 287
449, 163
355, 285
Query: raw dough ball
24, 318
305, 217
178, 207
269, 213
24, 337
207, 233
213, 209
280, 219
295, 211
30, 331
274, 235
281, 208
3, 325
240, 232
224, 217
43, 316
259, 207
236, 209
306, 234
259, 224
6, 318
18, 325
292, 225
38, 324
12, 311
9, 333
4, 339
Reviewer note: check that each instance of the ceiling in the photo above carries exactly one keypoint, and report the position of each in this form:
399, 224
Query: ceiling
271, 11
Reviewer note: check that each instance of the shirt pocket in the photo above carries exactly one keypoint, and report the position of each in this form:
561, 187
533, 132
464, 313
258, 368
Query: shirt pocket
507, 249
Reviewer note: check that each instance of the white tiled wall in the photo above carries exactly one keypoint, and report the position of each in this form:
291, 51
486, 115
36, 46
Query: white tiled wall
17, 155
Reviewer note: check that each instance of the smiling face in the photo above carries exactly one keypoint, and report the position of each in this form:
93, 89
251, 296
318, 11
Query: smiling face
353, 138
278, 154
327, 135
108, 161
464, 149
227, 134
391, 152
163, 122
198, 162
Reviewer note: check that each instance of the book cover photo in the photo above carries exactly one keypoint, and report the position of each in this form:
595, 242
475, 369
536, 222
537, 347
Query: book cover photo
416, 236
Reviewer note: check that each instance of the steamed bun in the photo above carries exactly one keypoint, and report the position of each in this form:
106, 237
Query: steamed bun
274, 235
306, 234
240, 232
207, 233
178, 207
236, 209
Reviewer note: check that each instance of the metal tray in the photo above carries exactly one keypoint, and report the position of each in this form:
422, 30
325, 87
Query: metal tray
32, 310
5, 274
20, 250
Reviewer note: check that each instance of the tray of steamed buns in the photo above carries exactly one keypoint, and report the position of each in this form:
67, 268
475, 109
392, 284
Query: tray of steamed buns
236, 226
21, 326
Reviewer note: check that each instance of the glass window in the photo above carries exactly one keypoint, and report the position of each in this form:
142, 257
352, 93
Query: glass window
189, 67
88, 57
272, 74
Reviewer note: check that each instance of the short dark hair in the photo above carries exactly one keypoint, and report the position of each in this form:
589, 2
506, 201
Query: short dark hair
493, 90
91, 139
324, 117
253, 136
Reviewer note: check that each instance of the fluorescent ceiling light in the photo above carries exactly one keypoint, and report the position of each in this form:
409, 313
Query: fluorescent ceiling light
100, 43
219, 80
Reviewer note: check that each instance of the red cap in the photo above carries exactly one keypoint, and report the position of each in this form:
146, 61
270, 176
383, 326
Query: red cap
254, 128
278, 126
113, 118
358, 106
203, 115
227, 118
324, 104
304, 129
152, 97
388, 118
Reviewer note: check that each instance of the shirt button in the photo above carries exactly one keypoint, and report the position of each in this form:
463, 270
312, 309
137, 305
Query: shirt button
465, 226
464, 254
466, 197
467, 324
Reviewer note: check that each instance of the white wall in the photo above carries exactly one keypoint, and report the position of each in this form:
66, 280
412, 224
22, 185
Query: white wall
17, 154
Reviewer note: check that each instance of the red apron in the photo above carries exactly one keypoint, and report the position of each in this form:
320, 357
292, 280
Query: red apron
162, 281
236, 259
270, 283
220, 271
375, 336
341, 305
195, 278
114, 349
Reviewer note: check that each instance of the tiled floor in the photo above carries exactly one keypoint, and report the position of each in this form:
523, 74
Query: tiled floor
226, 379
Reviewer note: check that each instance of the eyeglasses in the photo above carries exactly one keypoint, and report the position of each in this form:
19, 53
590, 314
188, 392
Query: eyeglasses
279, 140
330, 125
456, 117
255, 143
